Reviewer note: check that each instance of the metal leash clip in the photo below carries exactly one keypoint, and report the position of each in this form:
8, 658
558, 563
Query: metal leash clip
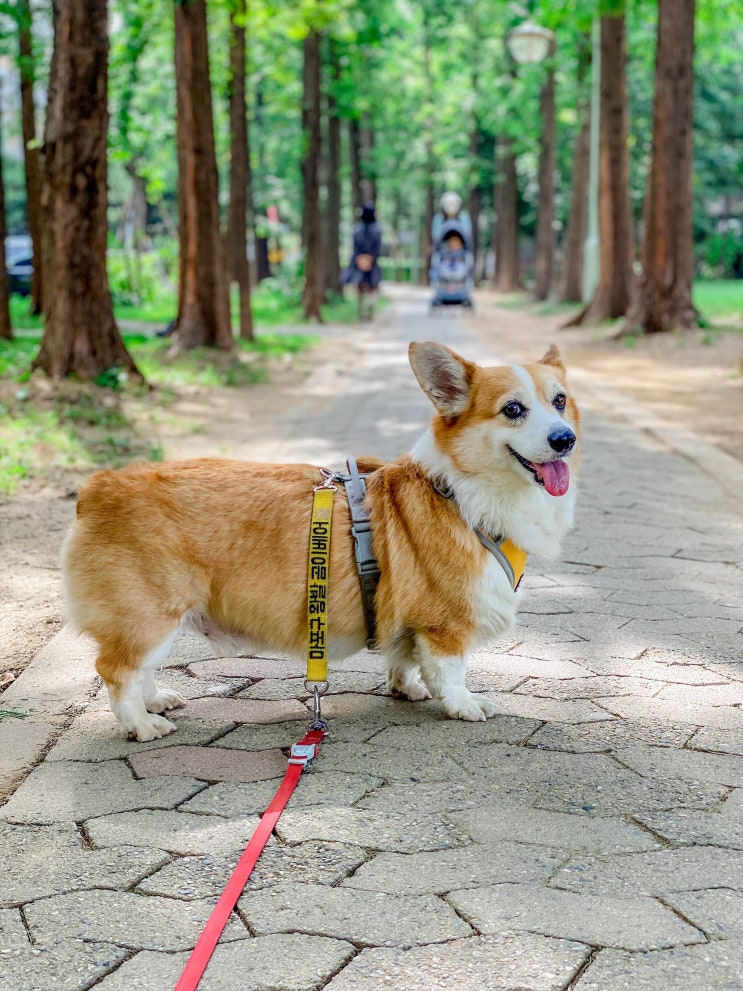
329, 480
317, 692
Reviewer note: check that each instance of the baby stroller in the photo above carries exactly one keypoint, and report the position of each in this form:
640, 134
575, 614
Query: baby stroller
452, 264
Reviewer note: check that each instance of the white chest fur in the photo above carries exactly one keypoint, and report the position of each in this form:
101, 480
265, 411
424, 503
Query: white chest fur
494, 602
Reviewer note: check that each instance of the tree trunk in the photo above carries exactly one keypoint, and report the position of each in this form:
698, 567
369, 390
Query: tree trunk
80, 336
544, 265
312, 297
203, 296
30, 149
506, 234
134, 214
332, 265
662, 300
612, 295
474, 197
6, 329
368, 168
570, 288
237, 230
427, 245
354, 148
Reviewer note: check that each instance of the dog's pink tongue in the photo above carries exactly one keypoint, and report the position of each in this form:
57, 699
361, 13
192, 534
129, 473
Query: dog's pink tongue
556, 477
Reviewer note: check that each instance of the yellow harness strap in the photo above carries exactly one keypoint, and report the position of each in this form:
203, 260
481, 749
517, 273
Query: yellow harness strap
517, 557
318, 569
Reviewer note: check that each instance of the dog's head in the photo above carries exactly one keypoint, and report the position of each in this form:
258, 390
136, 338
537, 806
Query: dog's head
518, 419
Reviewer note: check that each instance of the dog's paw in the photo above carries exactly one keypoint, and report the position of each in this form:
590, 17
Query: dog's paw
153, 727
164, 699
412, 689
467, 705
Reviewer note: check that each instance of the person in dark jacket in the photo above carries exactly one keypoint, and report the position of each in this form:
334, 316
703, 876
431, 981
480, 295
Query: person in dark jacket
364, 271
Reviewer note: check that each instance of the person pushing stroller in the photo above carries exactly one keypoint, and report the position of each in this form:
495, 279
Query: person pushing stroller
452, 260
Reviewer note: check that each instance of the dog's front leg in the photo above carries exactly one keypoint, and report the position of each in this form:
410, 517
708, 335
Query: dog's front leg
403, 669
444, 674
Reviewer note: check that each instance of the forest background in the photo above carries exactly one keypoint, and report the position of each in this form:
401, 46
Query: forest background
301, 111
173, 157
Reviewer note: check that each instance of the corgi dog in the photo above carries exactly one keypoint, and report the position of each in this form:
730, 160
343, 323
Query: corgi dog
221, 546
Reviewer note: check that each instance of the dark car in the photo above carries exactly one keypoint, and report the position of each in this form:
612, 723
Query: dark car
19, 261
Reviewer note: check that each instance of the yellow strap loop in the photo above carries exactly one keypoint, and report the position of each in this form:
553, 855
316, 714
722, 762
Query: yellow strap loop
318, 570
517, 557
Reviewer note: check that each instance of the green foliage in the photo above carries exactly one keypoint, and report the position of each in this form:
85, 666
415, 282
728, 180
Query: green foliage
434, 85
135, 278
722, 254
16, 357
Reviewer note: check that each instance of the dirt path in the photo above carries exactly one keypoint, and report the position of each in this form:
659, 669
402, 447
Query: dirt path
689, 381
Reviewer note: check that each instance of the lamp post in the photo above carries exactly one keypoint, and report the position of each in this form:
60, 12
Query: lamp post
529, 42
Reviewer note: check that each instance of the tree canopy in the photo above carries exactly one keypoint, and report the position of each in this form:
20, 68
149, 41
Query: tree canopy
424, 97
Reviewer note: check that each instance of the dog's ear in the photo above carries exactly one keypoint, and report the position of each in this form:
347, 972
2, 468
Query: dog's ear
444, 377
553, 358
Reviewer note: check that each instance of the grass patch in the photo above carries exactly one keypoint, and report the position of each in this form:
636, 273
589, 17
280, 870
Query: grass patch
274, 304
720, 300
16, 356
47, 429
50, 428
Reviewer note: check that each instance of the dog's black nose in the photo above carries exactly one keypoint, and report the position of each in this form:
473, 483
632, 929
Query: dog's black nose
562, 441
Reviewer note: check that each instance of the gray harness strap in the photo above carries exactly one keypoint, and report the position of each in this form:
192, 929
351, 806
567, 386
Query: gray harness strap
492, 544
366, 563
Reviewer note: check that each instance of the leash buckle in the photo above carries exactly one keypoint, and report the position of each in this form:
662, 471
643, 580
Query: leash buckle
303, 753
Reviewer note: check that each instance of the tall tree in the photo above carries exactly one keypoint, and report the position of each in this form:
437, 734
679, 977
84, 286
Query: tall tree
237, 230
312, 296
203, 293
612, 294
506, 233
332, 266
6, 329
544, 264
570, 287
30, 150
354, 152
80, 336
662, 298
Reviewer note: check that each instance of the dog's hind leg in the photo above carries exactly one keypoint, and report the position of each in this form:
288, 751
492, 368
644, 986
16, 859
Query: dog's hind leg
156, 699
135, 699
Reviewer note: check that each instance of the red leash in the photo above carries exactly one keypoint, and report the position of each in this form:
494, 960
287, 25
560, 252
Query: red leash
301, 754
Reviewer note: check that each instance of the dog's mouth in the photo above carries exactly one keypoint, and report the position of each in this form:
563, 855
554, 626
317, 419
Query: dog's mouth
553, 475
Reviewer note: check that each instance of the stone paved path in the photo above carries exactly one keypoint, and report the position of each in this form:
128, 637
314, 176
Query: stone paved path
590, 836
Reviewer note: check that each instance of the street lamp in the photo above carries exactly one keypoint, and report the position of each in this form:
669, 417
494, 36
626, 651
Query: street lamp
529, 42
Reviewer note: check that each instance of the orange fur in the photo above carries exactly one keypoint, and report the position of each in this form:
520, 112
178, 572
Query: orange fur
224, 544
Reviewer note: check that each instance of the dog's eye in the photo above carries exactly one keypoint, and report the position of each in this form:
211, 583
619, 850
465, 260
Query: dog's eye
513, 410
560, 401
